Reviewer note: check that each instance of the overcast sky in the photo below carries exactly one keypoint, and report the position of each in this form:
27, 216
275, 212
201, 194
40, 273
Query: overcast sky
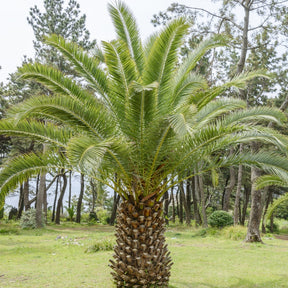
16, 34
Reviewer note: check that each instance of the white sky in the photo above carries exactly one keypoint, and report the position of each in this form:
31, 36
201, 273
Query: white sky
16, 34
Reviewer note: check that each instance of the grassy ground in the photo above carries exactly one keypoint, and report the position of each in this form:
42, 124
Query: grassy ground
55, 257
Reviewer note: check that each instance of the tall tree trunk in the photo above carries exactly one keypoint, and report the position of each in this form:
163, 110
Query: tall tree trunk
141, 256
253, 232
245, 204
203, 207
238, 191
229, 188
181, 200
80, 199
60, 200
114, 208
26, 195
187, 211
173, 204
196, 201
269, 199
20, 202
166, 207
55, 200
70, 189
177, 204
39, 201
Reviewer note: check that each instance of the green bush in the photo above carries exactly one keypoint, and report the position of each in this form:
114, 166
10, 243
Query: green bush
275, 227
234, 233
28, 219
220, 219
103, 215
106, 244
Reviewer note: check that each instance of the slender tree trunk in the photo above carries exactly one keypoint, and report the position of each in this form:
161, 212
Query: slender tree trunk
55, 199
141, 256
203, 208
245, 204
60, 200
181, 200
253, 232
37, 189
80, 199
114, 208
229, 188
40, 200
269, 199
177, 204
173, 204
166, 207
70, 190
187, 212
196, 201
189, 184
20, 202
238, 191
26, 195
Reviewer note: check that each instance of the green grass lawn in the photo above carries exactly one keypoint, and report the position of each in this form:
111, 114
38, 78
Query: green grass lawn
55, 257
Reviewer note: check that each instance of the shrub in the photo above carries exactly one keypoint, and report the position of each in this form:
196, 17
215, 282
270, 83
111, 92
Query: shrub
106, 244
28, 220
234, 232
220, 219
275, 227
103, 215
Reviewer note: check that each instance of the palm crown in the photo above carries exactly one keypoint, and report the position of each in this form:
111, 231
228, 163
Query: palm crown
136, 111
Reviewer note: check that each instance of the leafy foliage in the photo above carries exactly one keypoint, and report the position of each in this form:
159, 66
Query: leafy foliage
220, 219
28, 220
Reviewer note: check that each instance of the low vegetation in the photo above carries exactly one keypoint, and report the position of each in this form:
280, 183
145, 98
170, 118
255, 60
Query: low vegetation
55, 257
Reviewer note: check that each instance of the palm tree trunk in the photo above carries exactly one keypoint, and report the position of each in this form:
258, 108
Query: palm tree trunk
141, 256
114, 208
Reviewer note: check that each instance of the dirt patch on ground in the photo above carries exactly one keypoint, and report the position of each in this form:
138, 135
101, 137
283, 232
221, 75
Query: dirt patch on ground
281, 237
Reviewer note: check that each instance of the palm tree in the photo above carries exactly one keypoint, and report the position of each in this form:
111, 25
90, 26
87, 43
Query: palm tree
138, 112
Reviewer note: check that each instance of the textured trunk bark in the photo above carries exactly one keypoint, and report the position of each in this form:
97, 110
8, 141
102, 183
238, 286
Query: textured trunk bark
80, 199
60, 200
141, 256
253, 232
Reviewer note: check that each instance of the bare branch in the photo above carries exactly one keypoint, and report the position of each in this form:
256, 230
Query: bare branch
214, 15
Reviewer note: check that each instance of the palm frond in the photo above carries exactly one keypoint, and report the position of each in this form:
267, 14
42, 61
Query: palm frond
21, 168
55, 80
162, 59
85, 66
43, 132
127, 31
